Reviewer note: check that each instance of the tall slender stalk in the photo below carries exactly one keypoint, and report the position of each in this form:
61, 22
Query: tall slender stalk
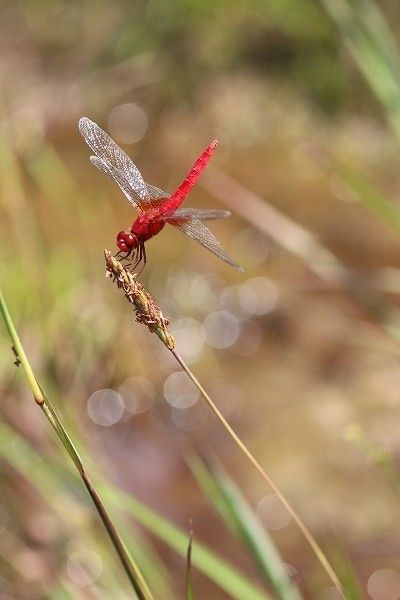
131, 568
149, 314
296, 518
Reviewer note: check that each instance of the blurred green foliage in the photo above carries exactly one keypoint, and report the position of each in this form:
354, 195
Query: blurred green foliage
281, 83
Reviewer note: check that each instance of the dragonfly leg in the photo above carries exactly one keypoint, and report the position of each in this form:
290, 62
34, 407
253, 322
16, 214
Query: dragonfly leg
134, 253
143, 258
121, 256
138, 256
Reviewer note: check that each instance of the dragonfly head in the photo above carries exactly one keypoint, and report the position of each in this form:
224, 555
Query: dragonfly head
126, 241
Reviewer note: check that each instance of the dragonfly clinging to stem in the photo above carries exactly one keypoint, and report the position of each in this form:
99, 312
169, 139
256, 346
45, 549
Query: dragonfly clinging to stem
155, 207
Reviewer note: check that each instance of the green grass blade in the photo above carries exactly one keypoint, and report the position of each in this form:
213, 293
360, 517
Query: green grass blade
380, 34
376, 202
127, 561
218, 570
319, 553
57, 479
375, 52
344, 567
188, 578
235, 510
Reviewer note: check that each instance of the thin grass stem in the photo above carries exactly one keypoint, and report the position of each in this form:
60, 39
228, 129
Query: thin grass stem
149, 314
131, 568
296, 518
188, 575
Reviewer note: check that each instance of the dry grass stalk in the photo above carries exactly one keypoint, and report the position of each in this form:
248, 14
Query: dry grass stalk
149, 314
145, 309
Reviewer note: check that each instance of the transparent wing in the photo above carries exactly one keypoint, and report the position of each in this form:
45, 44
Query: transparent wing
194, 213
115, 163
116, 176
156, 194
200, 232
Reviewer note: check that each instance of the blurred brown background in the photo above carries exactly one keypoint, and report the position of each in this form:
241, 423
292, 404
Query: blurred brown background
300, 351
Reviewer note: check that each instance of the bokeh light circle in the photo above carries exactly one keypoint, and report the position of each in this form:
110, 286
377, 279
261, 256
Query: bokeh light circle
190, 338
222, 329
179, 391
384, 584
258, 296
84, 567
105, 407
190, 419
272, 512
128, 123
137, 394
204, 293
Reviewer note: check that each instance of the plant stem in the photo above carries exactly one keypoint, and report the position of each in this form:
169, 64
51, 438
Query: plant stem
149, 314
296, 518
128, 563
132, 570
19, 352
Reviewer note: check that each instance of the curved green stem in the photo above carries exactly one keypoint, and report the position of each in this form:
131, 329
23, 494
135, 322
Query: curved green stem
131, 568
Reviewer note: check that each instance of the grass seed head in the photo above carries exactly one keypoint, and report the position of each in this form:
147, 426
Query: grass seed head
146, 311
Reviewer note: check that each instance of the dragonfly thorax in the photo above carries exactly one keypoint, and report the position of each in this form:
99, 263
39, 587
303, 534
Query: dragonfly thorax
126, 241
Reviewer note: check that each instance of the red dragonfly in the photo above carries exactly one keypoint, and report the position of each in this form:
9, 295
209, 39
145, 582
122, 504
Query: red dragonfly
155, 207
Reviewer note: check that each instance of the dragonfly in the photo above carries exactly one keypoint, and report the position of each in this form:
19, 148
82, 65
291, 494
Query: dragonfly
156, 208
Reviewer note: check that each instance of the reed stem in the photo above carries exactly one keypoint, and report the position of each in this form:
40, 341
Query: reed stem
131, 568
296, 518
150, 315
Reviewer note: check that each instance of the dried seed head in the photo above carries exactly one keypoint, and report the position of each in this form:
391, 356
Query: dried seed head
146, 311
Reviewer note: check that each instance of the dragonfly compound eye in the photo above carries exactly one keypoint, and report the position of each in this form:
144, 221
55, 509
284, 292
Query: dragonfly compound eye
121, 243
130, 240
126, 241
122, 246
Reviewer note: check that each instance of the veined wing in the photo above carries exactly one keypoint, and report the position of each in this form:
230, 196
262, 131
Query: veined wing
155, 194
117, 176
183, 214
115, 163
200, 232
